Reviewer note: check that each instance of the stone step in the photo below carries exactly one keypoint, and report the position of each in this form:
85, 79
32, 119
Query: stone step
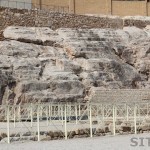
41, 36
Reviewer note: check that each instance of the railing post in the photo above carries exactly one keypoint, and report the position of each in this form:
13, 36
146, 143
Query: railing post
8, 128
70, 111
31, 114
139, 112
50, 112
103, 113
41, 110
38, 122
76, 113
147, 109
97, 111
19, 113
115, 113
65, 123
62, 116
14, 116
91, 131
127, 112
58, 112
114, 120
47, 116
135, 114
79, 110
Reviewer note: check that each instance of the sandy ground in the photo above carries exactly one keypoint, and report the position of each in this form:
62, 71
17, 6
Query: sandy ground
119, 142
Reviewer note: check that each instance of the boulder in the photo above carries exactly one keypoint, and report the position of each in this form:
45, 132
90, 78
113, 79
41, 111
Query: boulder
37, 35
26, 68
67, 87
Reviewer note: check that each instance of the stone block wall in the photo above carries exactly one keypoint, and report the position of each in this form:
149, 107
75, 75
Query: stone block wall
105, 7
16, 3
55, 20
129, 8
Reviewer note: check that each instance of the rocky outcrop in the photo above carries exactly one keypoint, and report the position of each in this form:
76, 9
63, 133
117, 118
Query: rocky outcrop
43, 65
56, 20
42, 36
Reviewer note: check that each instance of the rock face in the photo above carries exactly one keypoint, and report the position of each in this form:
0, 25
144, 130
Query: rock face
44, 36
42, 65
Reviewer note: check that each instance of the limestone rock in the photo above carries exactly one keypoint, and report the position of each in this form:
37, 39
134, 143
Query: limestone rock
59, 75
36, 35
18, 49
26, 68
41, 65
67, 87
67, 65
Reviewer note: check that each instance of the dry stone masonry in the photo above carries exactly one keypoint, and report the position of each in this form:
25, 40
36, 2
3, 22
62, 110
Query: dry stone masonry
39, 64
55, 20
130, 96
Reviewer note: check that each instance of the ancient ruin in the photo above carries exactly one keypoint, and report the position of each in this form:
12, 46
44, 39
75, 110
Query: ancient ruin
92, 73
45, 65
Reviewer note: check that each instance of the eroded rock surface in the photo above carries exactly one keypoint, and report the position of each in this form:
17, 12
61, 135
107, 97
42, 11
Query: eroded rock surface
44, 36
42, 65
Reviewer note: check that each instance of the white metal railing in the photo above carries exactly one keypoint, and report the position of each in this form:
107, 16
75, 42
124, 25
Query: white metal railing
67, 117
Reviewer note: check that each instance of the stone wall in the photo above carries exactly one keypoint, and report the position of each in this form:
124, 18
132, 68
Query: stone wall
16, 3
51, 2
106, 7
129, 8
57, 20
54, 20
92, 7
119, 95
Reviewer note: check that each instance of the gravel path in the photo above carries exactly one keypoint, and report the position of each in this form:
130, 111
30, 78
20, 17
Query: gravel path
121, 142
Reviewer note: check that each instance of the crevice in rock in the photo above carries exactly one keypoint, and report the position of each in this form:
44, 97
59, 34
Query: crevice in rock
41, 71
2, 91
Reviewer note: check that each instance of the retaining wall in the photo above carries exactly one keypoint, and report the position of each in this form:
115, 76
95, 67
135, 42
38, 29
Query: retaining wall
55, 20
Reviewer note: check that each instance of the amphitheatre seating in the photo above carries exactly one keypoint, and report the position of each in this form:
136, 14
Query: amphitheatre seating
119, 95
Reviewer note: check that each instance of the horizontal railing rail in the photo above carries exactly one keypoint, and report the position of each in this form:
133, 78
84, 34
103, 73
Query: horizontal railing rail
68, 120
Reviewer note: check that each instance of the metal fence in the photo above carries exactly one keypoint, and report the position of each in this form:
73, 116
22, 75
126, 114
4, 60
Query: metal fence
27, 5
64, 121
